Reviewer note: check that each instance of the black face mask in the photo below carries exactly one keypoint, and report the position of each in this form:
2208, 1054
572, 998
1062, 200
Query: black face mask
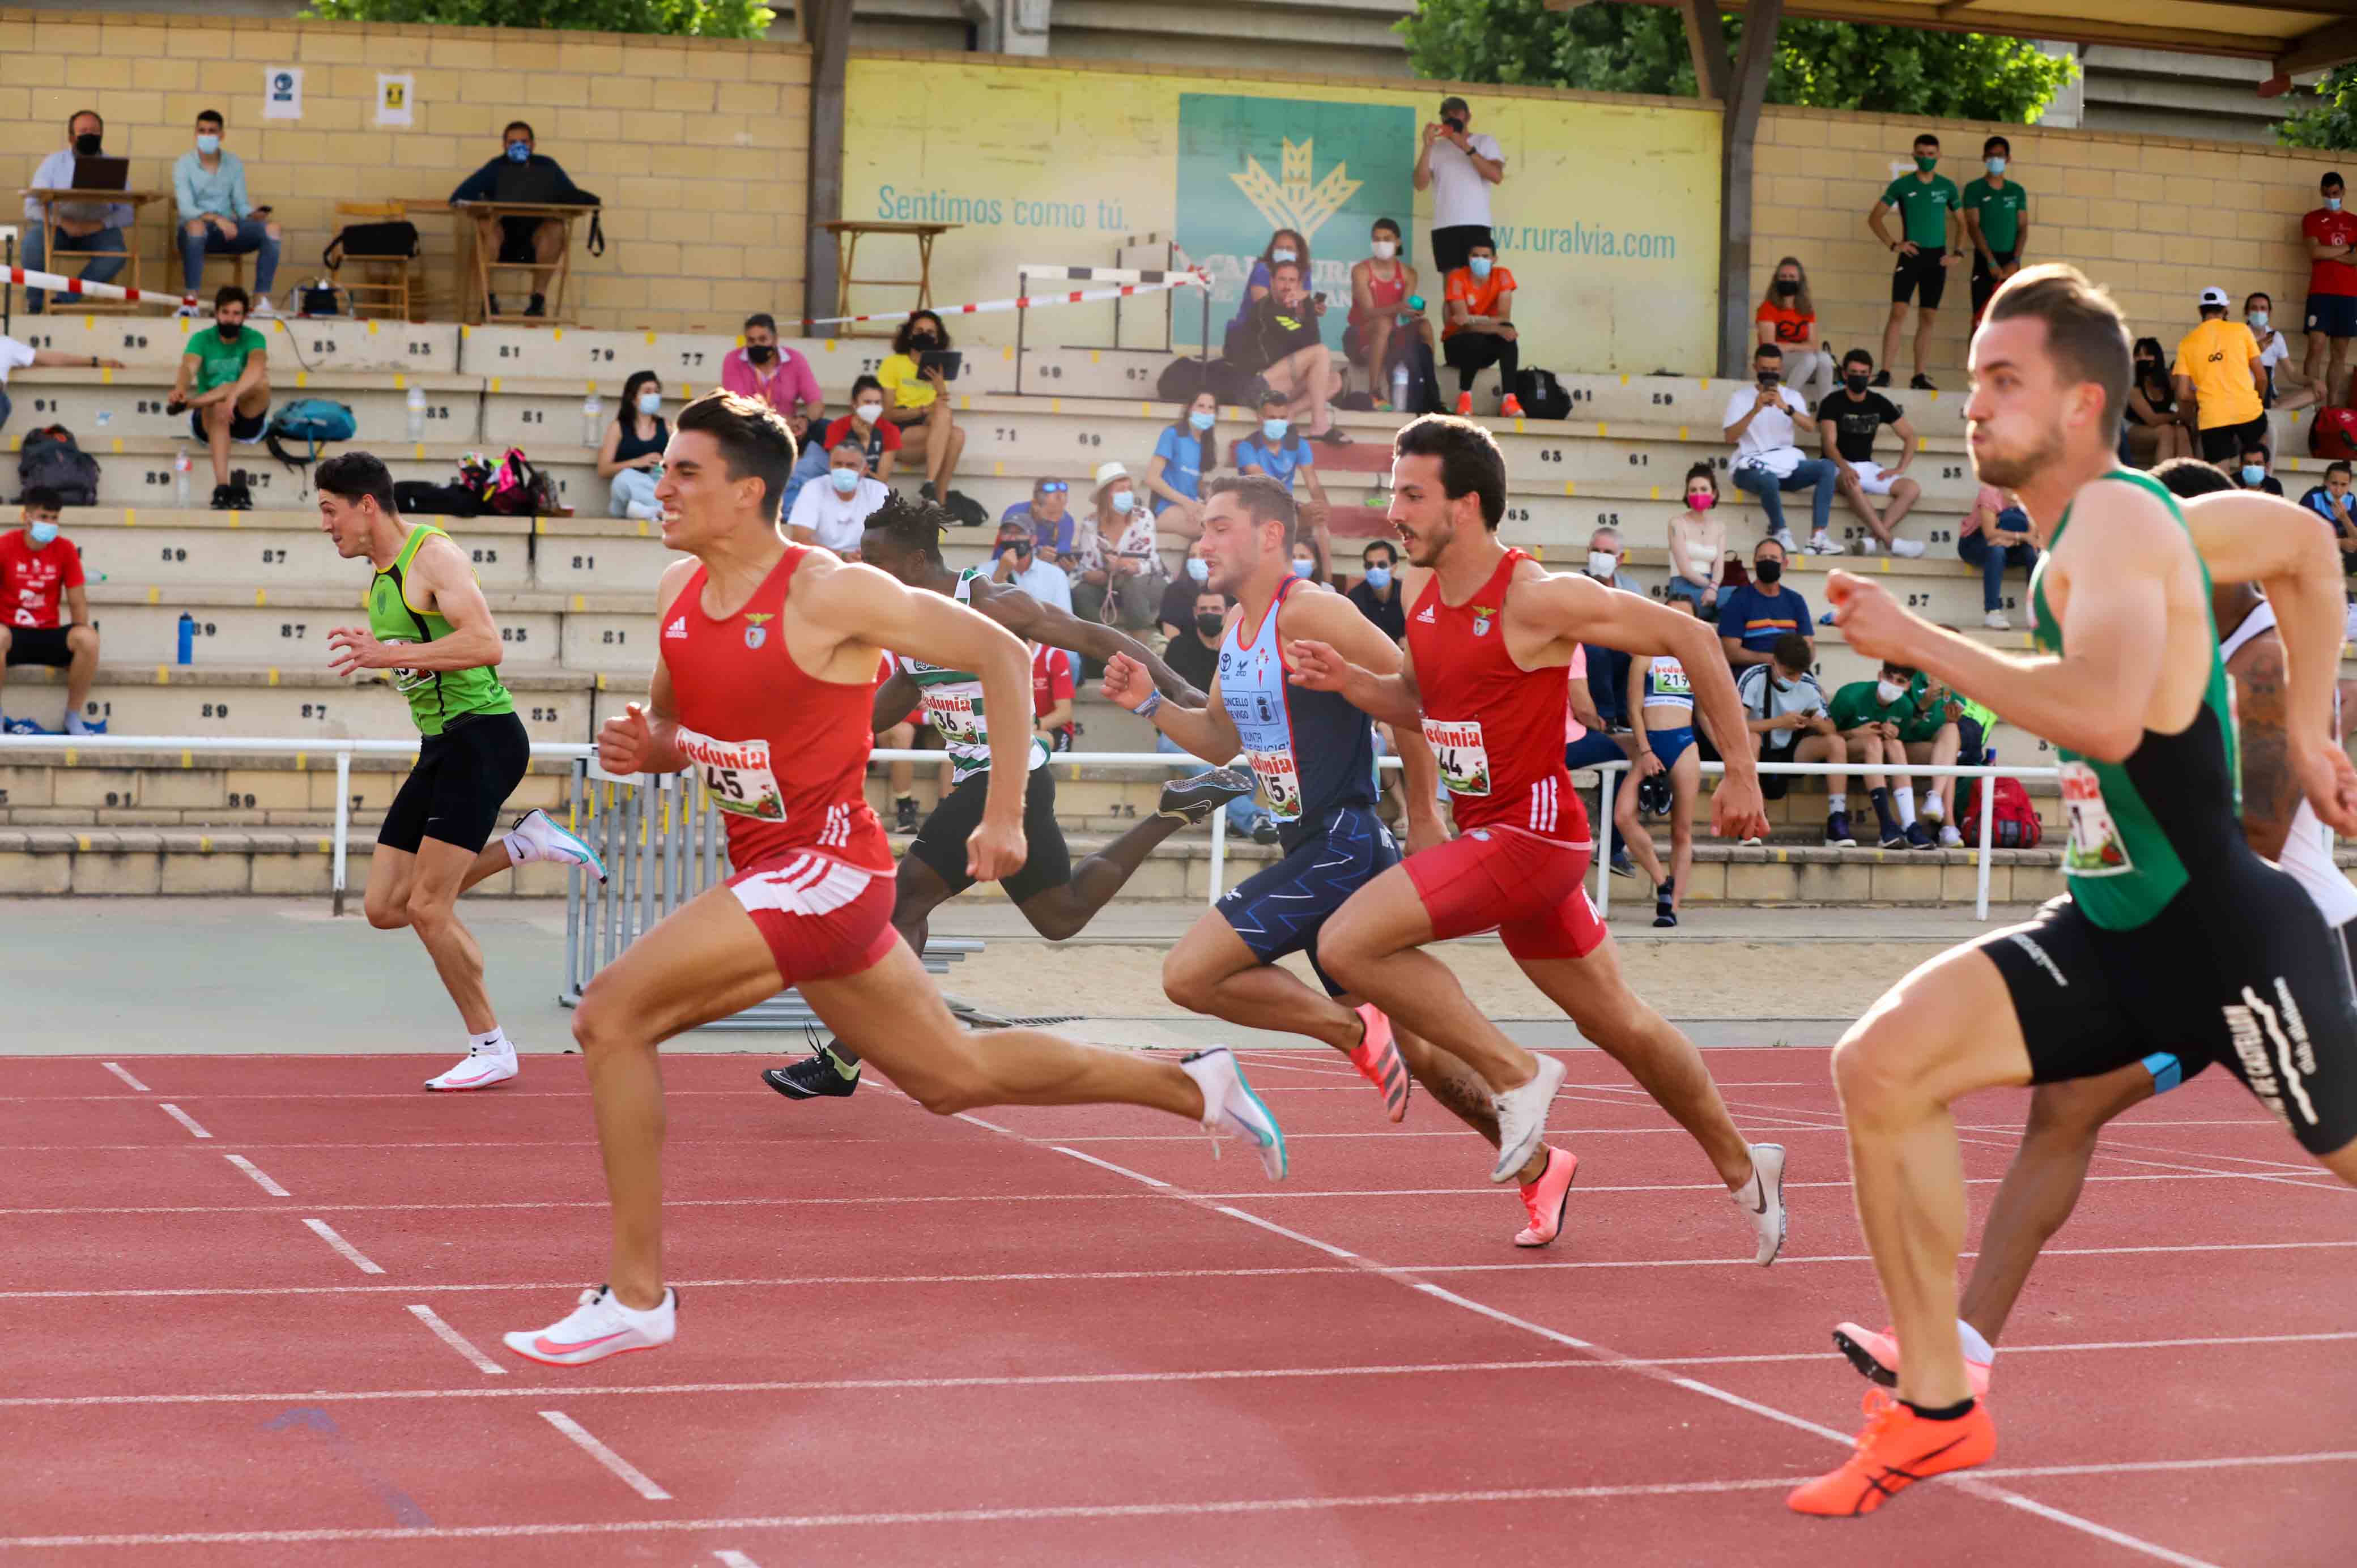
1022, 553
1209, 624
87, 144
230, 329
1768, 571
2147, 367
760, 353
921, 339
1788, 287
1770, 378
1856, 383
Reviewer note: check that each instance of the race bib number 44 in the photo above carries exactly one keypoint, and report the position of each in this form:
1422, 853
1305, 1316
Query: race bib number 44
2096, 848
1464, 761
736, 777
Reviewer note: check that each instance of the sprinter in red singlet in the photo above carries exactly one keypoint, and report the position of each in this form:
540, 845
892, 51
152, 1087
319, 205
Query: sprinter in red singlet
1491, 638
767, 657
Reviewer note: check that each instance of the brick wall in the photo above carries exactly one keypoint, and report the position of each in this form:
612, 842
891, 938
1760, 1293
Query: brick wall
698, 146
2154, 220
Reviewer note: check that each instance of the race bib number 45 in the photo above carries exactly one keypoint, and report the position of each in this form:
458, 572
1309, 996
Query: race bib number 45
736, 777
2096, 848
1464, 761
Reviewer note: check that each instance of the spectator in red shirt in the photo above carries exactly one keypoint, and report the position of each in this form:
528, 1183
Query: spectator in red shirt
2331, 236
39, 567
1787, 317
1052, 688
1480, 330
865, 423
769, 371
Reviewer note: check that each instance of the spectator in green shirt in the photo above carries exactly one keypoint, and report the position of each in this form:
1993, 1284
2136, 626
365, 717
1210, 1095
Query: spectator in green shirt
1997, 220
224, 383
1873, 717
1931, 241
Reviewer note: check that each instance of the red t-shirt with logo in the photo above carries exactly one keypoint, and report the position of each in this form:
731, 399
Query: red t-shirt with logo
33, 582
1051, 682
2331, 228
1794, 330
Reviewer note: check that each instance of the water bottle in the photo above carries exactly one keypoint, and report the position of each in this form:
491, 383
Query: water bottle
593, 414
188, 637
180, 481
1399, 387
417, 415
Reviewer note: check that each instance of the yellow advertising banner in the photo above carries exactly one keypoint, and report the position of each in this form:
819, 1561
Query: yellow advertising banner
1607, 216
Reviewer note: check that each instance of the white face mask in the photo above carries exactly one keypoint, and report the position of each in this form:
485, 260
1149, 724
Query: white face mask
845, 480
1283, 253
2258, 321
869, 413
1601, 565
1889, 692
1385, 250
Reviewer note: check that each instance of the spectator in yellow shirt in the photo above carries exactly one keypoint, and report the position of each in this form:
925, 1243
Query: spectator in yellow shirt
2219, 364
917, 405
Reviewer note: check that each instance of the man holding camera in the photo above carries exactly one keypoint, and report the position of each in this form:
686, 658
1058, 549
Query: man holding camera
1762, 421
1458, 167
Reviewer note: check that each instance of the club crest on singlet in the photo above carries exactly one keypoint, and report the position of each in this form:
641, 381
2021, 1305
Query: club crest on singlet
756, 631
1464, 761
735, 773
2096, 847
1483, 614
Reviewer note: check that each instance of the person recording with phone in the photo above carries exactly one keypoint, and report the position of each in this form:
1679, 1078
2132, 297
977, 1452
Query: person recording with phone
1458, 167
218, 217
1762, 421
916, 380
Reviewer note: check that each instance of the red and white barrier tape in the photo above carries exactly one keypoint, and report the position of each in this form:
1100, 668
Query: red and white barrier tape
55, 284
1026, 302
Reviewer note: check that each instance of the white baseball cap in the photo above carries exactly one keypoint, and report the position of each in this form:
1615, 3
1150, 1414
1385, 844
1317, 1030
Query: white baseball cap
2213, 294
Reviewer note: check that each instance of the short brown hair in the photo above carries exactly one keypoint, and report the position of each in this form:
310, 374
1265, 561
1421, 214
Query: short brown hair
1470, 460
2085, 334
1265, 500
753, 438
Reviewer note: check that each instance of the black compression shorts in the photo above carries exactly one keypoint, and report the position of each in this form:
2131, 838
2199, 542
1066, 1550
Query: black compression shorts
462, 778
941, 843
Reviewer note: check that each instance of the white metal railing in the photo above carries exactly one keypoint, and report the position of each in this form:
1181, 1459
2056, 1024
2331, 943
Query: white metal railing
344, 750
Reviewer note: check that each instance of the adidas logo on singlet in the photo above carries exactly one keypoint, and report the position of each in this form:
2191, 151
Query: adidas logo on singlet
677, 628
1426, 615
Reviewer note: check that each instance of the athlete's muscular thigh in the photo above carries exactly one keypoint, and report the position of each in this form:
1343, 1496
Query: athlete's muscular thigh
1383, 917
387, 900
705, 961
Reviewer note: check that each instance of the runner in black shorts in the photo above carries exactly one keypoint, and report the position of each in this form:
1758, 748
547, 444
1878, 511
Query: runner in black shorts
904, 539
2175, 934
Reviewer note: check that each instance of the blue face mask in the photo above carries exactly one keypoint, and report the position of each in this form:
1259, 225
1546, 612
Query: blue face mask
1303, 568
845, 480
651, 402
1274, 429
1997, 166
1283, 253
1121, 502
1198, 568
2332, 204
2253, 473
42, 533
519, 152
1481, 265
1199, 420
208, 144
1379, 577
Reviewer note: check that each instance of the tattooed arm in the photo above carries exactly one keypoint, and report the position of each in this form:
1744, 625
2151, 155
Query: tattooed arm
2271, 792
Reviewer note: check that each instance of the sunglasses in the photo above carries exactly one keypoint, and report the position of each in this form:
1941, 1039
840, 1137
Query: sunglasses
1053, 488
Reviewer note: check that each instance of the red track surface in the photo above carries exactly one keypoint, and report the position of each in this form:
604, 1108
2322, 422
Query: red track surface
913, 1340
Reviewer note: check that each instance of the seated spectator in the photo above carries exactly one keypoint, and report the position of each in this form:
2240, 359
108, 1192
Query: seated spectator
1377, 591
2217, 368
2255, 470
82, 225
1848, 423
1936, 735
1278, 340
1276, 451
1054, 682
877, 435
918, 402
1178, 599
1128, 570
523, 174
1480, 330
2286, 388
1604, 558
15, 356
1607, 687
218, 217
900, 778
1661, 695
769, 372
1697, 543
1310, 562
811, 462
1995, 535
1284, 245
1047, 517
1383, 329
1873, 717
224, 383
1186, 451
1761, 422
1787, 317
835, 514
2158, 430
1754, 619
1021, 564
1784, 708
2330, 500
631, 456
39, 569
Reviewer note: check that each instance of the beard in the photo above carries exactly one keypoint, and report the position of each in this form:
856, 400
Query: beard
1425, 551
2011, 471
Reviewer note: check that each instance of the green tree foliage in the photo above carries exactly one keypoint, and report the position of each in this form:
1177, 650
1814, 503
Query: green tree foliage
1617, 47
2324, 116
699, 18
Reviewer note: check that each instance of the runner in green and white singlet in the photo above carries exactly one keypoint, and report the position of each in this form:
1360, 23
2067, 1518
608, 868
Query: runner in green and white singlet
431, 631
2175, 936
953, 703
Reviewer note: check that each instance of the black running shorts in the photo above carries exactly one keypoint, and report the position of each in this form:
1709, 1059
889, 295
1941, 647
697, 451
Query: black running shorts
462, 778
941, 843
1921, 277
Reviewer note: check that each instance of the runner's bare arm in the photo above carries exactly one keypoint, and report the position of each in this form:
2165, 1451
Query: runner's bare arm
1026, 616
643, 738
1387, 698
439, 580
1206, 731
2271, 792
894, 699
1337, 622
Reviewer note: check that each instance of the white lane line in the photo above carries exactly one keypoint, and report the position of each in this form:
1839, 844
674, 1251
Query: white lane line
350, 1253
1206, 1508
260, 1180
116, 1068
183, 1118
735, 1560
632, 1475
456, 1341
1093, 1160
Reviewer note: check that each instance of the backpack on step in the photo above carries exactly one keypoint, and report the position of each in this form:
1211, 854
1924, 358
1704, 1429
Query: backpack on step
49, 460
2332, 435
1541, 395
513, 487
2017, 825
313, 421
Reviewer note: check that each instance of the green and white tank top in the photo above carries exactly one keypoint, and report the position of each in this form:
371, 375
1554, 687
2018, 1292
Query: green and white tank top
954, 705
436, 696
2140, 830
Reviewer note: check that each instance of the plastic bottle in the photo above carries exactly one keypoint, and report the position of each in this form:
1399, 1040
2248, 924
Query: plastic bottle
1399, 387
593, 415
188, 637
180, 480
416, 413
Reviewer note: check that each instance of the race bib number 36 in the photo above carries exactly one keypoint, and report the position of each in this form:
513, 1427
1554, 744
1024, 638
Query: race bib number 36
736, 777
2096, 848
1464, 761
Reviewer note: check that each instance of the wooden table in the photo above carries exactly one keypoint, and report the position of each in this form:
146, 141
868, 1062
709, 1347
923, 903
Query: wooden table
134, 199
474, 304
847, 232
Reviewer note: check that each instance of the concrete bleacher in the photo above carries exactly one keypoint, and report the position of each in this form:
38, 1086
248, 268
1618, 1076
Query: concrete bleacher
574, 594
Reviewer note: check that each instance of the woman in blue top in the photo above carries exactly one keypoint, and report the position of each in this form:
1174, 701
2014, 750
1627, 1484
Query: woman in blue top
1184, 454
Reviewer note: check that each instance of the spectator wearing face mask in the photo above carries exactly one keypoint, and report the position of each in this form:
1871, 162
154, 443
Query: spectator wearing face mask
1023, 565
809, 463
2331, 502
1787, 317
1384, 329
2217, 369
1784, 708
2286, 388
1310, 562
1872, 716
1995, 535
877, 436
1604, 558
522, 173
40, 570
223, 386
630, 457
1850, 421
769, 372
218, 217
1276, 451
1194, 654
1997, 222
1178, 599
1762, 422
1186, 451
2332, 238
1480, 330
1698, 543
1377, 592
2157, 430
917, 400
82, 226
1931, 241
834, 515
1047, 517
2253, 472
1128, 566
1458, 166
1755, 619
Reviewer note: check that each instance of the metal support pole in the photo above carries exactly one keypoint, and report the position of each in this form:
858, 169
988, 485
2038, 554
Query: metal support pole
344, 824
1607, 790
1218, 852
1988, 796
1022, 313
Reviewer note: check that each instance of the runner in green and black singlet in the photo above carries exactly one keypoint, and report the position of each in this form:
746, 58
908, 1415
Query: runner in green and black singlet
436, 696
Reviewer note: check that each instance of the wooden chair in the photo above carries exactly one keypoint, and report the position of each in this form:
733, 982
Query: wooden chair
387, 290
236, 261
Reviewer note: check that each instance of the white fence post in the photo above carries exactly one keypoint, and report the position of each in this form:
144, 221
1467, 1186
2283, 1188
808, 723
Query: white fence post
1988, 796
343, 822
1606, 776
